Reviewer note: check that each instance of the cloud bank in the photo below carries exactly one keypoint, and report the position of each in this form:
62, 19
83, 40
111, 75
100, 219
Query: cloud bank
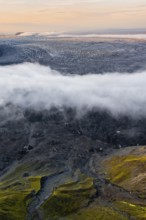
62, 35
40, 88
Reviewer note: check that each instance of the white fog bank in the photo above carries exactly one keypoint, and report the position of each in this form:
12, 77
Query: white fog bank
64, 35
39, 87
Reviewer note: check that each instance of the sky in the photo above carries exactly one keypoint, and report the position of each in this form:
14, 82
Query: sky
71, 15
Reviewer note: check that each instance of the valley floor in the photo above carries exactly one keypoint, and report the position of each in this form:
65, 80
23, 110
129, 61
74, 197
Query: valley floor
113, 188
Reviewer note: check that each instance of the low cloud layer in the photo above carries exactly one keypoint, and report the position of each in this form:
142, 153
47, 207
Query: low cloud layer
38, 87
62, 35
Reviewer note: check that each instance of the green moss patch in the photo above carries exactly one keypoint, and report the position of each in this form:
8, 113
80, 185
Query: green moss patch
97, 213
14, 198
16, 192
129, 172
133, 211
69, 197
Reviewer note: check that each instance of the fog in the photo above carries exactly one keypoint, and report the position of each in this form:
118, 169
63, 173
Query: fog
40, 88
62, 35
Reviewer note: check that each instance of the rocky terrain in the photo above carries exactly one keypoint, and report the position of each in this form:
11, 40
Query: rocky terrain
76, 55
55, 165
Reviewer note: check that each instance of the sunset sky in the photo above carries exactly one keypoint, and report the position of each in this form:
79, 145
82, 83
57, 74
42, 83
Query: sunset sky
71, 15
